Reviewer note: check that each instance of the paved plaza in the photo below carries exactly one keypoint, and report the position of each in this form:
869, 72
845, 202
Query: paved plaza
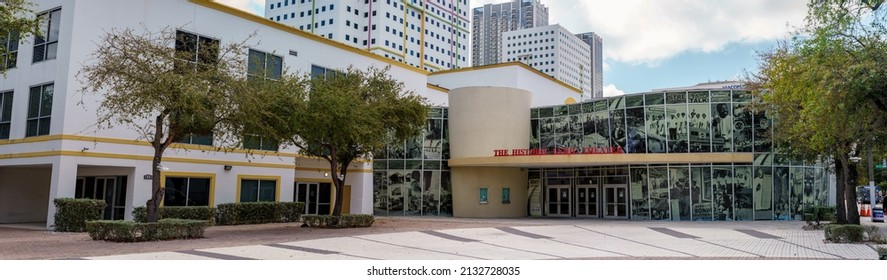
410, 238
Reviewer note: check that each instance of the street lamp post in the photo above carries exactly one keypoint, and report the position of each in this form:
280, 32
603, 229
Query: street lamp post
872, 183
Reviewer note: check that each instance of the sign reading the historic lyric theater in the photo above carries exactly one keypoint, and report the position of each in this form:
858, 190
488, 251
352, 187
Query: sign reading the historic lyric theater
558, 151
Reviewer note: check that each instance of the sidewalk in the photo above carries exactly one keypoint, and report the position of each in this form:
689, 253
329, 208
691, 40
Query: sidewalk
419, 238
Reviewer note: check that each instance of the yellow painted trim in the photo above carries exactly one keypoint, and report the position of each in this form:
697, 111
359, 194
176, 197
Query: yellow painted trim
422, 36
211, 176
433, 65
241, 177
598, 159
121, 141
440, 88
31, 139
388, 50
405, 32
312, 180
506, 64
166, 159
212, 4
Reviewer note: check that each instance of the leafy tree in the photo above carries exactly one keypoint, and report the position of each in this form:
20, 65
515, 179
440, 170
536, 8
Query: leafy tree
826, 87
165, 85
17, 20
340, 117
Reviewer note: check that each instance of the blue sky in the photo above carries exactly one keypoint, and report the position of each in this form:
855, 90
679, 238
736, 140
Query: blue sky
666, 43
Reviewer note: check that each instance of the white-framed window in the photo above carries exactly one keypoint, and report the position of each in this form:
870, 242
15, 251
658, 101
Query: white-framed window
46, 46
39, 110
5, 113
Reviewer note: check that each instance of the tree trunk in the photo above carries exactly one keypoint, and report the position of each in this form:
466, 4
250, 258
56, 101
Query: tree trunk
159, 144
337, 183
850, 193
840, 198
153, 204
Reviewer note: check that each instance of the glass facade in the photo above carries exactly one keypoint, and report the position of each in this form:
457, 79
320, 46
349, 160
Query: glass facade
413, 179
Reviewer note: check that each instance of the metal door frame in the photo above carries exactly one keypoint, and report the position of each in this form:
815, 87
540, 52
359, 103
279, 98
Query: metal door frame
606, 201
597, 200
548, 200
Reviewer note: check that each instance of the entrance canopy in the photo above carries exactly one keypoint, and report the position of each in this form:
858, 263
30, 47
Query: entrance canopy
572, 160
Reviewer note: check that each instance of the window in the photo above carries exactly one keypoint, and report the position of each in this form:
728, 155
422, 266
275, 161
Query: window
45, 48
39, 110
484, 199
186, 191
8, 59
258, 142
317, 71
256, 190
264, 65
5, 114
196, 49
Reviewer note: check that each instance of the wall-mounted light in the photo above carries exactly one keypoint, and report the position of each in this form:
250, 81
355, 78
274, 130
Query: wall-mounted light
160, 167
228, 168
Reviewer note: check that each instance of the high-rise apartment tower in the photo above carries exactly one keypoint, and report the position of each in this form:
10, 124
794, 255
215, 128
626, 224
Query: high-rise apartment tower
428, 34
491, 20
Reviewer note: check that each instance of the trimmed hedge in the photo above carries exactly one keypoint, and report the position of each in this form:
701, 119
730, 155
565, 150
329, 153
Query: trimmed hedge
844, 233
128, 231
71, 214
206, 213
343, 221
816, 214
258, 212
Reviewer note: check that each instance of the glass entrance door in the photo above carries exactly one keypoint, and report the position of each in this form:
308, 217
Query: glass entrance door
587, 201
559, 200
109, 189
316, 197
616, 201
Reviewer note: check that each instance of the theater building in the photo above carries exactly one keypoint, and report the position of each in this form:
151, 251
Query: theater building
502, 140
694, 153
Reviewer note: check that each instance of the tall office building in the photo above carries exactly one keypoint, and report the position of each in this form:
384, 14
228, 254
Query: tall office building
552, 50
597, 61
491, 20
428, 34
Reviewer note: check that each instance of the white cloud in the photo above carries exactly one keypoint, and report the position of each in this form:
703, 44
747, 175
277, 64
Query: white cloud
644, 31
611, 90
639, 31
253, 6
648, 32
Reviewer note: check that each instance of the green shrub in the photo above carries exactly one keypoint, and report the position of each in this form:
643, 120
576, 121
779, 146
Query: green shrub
71, 214
128, 231
206, 213
814, 215
844, 233
344, 221
258, 212
873, 234
291, 212
882, 253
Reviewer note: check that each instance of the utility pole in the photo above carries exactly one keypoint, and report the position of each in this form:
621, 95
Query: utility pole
872, 200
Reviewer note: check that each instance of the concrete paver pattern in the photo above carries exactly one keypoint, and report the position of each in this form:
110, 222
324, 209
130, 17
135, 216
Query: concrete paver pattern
529, 239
